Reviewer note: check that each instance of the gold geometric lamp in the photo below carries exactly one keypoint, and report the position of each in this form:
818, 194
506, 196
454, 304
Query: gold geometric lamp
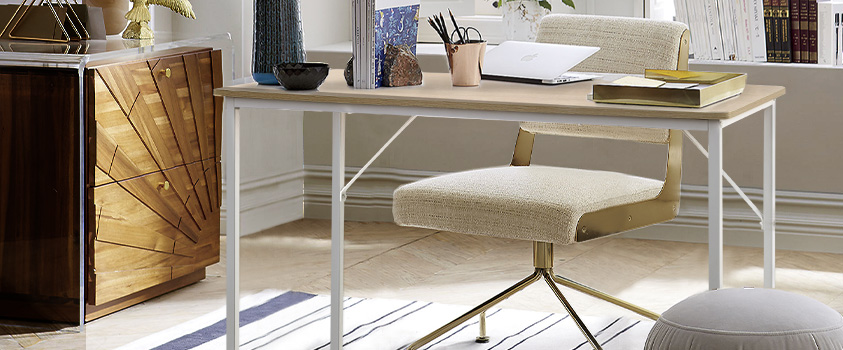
139, 16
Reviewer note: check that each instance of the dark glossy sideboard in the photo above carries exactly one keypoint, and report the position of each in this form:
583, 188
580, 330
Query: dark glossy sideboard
144, 138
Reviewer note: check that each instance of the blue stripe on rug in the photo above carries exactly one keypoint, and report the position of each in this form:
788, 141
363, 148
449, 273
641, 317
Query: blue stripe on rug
247, 316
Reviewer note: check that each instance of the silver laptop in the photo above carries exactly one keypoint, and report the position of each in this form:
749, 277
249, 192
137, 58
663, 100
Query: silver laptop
537, 63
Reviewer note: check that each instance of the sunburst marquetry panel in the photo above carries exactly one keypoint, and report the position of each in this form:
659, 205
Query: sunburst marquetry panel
157, 177
154, 228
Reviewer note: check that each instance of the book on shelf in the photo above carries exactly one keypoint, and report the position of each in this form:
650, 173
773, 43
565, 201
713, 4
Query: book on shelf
743, 33
812, 31
375, 24
795, 32
714, 33
783, 28
769, 31
803, 33
724, 29
705, 42
829, 32
759, 40
743, 29
726, 16
699, 33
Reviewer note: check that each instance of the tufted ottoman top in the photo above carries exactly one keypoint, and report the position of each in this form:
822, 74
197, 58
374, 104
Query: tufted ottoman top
747, 319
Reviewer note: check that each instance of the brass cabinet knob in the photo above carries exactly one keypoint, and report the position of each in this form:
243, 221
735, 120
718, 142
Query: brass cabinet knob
167, 72
165, 185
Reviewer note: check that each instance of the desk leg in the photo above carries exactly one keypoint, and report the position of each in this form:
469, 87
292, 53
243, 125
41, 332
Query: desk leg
715, 205
337, 230
232, 204
770, 197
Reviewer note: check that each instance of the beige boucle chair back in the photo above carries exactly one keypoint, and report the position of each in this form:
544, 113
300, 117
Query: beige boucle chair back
627, 46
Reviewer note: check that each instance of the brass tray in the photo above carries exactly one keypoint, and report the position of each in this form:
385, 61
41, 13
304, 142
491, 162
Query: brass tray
712, 87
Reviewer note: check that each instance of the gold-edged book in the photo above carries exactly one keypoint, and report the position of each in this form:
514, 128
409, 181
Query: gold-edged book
709, 87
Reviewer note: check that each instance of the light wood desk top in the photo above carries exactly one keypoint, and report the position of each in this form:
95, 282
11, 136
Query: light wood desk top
437, 92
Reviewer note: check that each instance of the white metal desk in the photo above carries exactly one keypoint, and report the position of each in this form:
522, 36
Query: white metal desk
490, 101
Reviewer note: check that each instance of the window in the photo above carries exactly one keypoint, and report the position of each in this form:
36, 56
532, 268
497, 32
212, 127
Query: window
661, 9
627, 8
483, 16
458, 7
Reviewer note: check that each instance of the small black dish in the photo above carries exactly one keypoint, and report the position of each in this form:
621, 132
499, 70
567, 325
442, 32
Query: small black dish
301, 75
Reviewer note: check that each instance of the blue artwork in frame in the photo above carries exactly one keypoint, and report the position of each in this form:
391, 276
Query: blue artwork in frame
396, 26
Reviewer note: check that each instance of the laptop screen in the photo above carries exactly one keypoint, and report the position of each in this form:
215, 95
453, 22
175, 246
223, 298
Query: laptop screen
534, 60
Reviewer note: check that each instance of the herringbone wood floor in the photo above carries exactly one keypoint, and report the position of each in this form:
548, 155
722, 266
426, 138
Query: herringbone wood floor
386, 261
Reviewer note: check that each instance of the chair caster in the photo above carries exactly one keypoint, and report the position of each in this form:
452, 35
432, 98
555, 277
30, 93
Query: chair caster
484, 339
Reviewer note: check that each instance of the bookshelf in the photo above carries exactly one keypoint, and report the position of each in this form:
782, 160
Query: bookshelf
762, 64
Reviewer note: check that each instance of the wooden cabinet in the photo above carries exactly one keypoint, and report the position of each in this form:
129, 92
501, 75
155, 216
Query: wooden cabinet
155, 197
152, 187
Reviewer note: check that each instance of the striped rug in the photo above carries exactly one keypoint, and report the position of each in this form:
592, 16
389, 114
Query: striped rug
294, 320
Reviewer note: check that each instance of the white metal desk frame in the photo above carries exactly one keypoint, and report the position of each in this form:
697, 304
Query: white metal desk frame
339, 187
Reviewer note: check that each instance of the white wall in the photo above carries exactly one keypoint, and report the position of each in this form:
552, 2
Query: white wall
272, 159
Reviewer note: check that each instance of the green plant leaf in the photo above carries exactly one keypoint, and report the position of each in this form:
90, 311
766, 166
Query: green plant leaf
545, 4
570, 3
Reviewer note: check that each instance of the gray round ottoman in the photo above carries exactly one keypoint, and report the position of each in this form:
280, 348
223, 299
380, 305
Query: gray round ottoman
747, 319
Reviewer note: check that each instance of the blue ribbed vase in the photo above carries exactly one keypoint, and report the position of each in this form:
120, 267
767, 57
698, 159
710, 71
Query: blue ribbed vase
277, 37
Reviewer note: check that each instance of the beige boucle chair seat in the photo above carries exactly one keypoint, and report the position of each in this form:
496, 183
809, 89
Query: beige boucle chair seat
537, 203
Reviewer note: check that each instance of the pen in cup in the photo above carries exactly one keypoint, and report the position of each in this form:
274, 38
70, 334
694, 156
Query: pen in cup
465, 55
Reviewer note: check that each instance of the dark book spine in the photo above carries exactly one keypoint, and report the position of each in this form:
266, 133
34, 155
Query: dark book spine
784, 28
768, 30
776, 18
812, 31
795, 35
803, 34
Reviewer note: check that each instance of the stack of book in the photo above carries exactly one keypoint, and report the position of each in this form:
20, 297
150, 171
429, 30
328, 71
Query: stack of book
376, 23
753, 30
792, 28
725, 29
830, 33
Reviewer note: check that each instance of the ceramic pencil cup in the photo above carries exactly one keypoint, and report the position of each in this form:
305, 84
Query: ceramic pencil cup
466, 62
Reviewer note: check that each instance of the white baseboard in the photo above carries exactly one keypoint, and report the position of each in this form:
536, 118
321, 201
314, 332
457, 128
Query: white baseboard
268, 202
805, 220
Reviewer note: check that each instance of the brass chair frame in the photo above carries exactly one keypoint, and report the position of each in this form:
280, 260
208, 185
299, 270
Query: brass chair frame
590, 226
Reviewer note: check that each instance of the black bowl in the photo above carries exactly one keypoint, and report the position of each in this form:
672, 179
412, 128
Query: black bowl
301, 75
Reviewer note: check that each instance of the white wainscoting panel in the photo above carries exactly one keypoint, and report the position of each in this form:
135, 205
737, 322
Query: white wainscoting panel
268, 202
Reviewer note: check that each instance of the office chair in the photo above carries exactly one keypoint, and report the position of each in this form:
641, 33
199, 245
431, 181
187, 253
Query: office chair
554, 205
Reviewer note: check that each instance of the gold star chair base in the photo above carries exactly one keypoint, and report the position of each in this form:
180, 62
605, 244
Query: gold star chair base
543, 262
